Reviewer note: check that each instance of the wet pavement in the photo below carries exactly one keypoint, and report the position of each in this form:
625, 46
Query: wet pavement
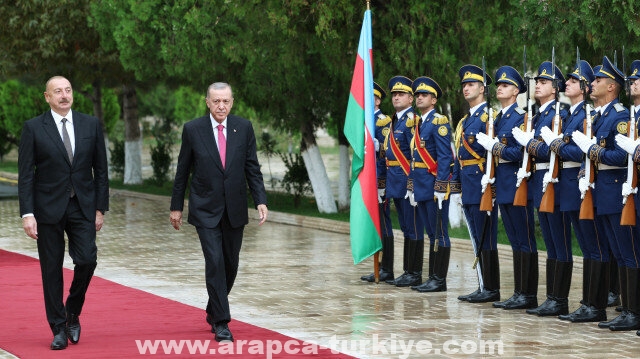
297, 277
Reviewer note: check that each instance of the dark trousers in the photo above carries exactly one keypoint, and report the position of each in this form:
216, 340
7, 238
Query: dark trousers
82, 249
221, 249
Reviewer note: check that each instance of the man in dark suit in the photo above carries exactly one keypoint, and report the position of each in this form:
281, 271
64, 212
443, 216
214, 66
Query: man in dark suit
219, 152
63, 186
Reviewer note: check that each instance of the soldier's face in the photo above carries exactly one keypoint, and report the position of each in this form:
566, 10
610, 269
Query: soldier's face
401, 100
425, 101
506, 91
600, 86
572, 89
544, 90
472, 90
635, 89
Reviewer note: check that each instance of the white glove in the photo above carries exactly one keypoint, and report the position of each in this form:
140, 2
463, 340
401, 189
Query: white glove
486, 141
627, 190
485, 181
522, 137
548, 136
583, 185
626, 143
522, 174
380, 194
439, 196
411, 197
546, 179
376, 144
456, 199
582, 141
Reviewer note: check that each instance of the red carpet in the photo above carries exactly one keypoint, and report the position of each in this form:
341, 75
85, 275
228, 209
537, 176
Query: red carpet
115, 316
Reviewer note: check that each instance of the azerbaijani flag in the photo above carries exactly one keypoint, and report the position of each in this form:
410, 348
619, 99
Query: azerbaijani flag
359, 130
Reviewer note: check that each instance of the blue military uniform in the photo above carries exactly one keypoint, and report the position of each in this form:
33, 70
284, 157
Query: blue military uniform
398, 152
518, 221
383, 123
555, 226
590, 234
432, 160
611, 174
467, 176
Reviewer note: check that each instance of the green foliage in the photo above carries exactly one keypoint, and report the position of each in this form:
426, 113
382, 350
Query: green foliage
161, 154
268, 148
296, 180
189, 104
117, 157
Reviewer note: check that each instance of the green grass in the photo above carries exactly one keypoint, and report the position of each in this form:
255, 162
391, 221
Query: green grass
9, 166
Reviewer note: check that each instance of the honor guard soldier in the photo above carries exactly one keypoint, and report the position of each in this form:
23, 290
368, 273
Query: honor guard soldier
590, 233
467, 177
431, 166
381, 131
398, 155
518, 221
556, 231
611, 163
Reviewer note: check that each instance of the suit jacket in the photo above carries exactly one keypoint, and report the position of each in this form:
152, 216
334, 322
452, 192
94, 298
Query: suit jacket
214, 188
45, 175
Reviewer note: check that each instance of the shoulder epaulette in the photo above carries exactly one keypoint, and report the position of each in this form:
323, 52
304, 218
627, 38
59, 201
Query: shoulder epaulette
440, 119
520, 111
484, 117
619, 107
410, 120
383, 120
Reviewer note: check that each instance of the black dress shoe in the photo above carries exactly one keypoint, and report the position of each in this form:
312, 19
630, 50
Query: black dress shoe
630, 322
400, 278
485, 296
543, 307
222, 332
433, 284
557, 306
522, 301
613, 321
383, 274
73, 328
613, 299
466, 297
509, 301
60, 340
586, 313
638, 333
412, 278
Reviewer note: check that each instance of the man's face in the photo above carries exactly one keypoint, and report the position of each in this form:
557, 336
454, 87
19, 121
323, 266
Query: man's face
506, 91
401, 100
425, 101
599, 87
572, 89
472, 90
635, 88
220, 103
59, 95
544, 90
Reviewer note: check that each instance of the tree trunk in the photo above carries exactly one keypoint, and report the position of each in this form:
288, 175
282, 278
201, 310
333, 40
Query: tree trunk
132, 137
317, 172
344, 182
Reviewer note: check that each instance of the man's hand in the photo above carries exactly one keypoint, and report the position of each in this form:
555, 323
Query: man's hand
522, 174
486, 141
547, 135
411, 197
582, 141
30, 226
439, 196
376, 144
99, 220
626, 143
175, 217
263, 212
522, 137
627, 190
486, 181
583, 186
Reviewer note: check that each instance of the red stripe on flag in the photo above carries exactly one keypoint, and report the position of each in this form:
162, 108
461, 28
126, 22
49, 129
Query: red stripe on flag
357, 83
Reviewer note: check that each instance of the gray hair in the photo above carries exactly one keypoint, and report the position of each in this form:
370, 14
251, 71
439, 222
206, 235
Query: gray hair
219, 86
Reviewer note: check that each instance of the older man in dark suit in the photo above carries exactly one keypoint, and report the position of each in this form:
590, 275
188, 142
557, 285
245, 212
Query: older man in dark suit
63, 187
219, 152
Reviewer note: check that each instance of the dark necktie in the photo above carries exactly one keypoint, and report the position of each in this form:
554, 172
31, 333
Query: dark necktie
67, 145
497, 120
67, 140
222, 145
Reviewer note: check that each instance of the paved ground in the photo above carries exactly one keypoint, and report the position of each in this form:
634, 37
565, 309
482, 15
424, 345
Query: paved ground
297, 277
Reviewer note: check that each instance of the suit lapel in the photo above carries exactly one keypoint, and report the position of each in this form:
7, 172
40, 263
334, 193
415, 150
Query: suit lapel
50, 128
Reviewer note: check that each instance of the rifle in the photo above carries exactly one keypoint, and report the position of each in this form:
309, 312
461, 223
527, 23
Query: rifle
521, 196
486, 202
628, 217
547, 204
586, 206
